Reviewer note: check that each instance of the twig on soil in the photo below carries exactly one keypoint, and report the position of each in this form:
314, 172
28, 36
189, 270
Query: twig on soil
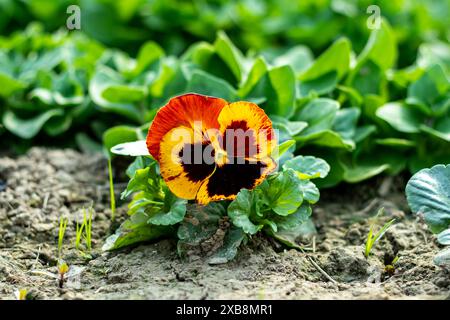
314, 244
5, 261
37, 257
9, 205
326, 275
385, 186
368, 208
47, 196
99, 193
421, 233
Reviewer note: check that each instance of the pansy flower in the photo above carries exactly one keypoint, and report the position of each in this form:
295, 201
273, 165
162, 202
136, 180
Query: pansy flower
209, 149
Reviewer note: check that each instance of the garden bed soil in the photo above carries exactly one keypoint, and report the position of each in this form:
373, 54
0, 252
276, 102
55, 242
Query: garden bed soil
39, 187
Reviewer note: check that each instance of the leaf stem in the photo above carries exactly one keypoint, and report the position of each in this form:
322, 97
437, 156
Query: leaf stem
111, 191
154, 202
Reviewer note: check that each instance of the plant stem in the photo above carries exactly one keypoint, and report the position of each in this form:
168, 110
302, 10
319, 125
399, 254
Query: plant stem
154, 202
111, 191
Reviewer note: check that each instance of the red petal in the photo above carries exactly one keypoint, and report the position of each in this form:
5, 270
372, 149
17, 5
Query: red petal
183, 110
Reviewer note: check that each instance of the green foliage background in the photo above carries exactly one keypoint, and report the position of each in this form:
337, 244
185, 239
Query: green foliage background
367, 101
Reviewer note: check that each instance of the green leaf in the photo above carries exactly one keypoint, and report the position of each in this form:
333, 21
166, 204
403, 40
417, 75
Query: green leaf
428, 88
381, 48
58, 124
428, 194
326, 138
280, 192
198, 52
433, 53
363, 132
396, 143
144, 180
308, 167
199, 224
148, 53
118, 93
292, 127
282, 80
103, 79
172, 212
273, 88
336, 173
231, 243
166, 78
444, 237
28, 128
370, 79
353, 95
444, 135
319, 86
310, 192
298, 57
207, 84
258, 70
345, 122
117, 135
319, 114
134, 230
294, 226
242, 208
293, 220
362, 170
229, 54
442, 259
137, 164
443, 125
63, 90
401, 117
281, 149
9, 85
336, 58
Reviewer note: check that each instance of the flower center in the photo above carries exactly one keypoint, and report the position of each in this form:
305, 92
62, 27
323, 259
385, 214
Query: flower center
220, 155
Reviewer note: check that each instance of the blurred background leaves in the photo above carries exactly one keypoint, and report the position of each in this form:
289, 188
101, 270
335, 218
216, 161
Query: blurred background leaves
342, 91
251, 24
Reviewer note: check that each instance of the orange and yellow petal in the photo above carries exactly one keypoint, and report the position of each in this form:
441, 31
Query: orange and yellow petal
246, 130
183, 164
229, 179
188, 110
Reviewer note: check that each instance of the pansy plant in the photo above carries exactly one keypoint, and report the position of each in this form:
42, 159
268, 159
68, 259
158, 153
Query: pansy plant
208, 164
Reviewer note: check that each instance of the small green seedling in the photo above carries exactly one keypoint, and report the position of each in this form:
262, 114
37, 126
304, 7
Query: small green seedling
373, 238
111, 191
21, 294
390, 267
88, 229
63, 268
84, 231
78, 235
62, 230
